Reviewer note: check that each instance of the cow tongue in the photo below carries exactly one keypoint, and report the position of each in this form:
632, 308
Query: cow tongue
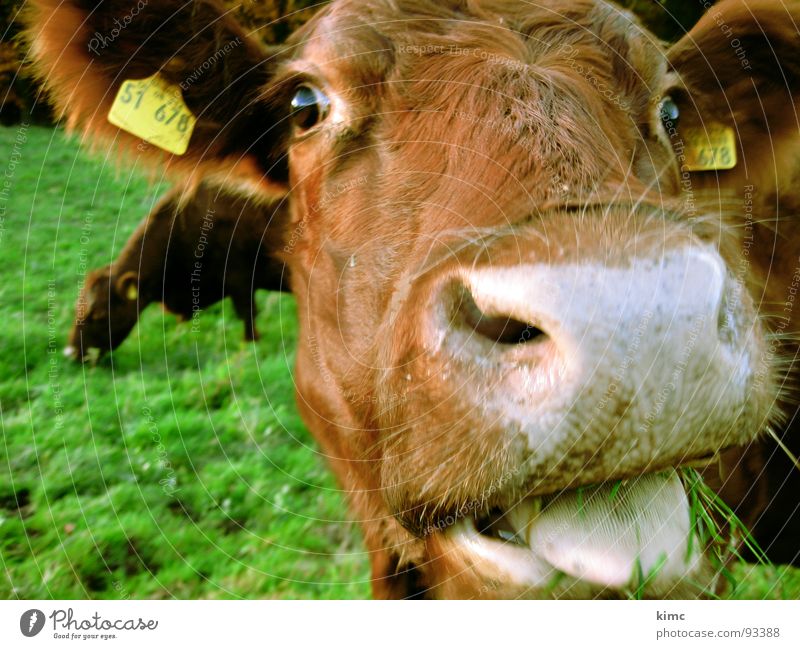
616, 536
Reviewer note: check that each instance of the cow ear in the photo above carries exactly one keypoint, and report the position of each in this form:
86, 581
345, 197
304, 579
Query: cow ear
86, 51
738, 71
127, 285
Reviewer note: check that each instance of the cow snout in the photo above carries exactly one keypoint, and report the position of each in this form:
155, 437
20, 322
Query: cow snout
571, 318
605, 369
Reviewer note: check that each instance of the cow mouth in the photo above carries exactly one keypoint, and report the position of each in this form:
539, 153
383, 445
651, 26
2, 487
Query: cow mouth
91, 355
616, 537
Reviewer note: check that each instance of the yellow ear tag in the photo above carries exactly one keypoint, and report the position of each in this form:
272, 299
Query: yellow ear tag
154, 111
133, 292
710, 148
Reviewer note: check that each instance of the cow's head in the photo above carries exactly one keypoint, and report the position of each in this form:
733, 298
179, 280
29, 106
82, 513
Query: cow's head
510, 288
106, 311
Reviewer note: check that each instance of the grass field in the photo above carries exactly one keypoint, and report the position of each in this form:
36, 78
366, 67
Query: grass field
180, 467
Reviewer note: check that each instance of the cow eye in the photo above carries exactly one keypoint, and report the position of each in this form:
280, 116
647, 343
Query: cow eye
668, 111
310, 106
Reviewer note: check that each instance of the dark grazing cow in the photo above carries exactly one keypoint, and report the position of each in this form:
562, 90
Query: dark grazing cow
195, 248
540, 264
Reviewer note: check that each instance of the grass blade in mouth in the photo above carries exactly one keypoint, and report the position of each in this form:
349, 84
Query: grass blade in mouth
717, 528
644, 580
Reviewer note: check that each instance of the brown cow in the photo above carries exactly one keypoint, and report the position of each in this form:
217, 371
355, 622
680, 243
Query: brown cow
195, 248
511, 286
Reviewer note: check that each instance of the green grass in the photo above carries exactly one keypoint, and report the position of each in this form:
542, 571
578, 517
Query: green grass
180, 467
238, 502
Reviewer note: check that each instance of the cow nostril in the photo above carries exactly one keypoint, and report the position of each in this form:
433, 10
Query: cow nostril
507, 331
500, 329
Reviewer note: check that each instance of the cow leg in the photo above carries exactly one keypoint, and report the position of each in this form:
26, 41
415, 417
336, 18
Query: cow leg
247, 311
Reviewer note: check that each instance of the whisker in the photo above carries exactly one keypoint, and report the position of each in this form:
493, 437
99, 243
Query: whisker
783, 447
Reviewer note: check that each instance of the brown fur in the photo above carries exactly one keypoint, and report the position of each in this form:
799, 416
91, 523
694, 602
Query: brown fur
527, 142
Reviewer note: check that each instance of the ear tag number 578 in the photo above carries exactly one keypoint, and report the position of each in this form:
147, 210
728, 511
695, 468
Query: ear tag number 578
154, 111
